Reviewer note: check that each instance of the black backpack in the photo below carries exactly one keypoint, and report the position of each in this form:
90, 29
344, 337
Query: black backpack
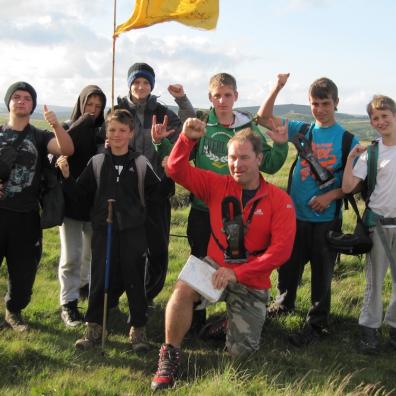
359, 242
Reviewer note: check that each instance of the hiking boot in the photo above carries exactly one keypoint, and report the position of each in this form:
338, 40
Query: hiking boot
137, 337
70, 314
84, 292
15, 321
369, 342
392, 336
214, 330
307, 335
168, 366
91, 338
277, 309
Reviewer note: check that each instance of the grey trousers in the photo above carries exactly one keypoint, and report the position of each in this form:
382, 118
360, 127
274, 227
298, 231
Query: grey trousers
377, 265
75, 259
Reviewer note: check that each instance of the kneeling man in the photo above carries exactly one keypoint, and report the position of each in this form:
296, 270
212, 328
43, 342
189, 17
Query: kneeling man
253, 226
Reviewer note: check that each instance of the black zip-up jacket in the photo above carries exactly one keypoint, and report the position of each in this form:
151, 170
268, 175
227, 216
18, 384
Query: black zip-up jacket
128, 211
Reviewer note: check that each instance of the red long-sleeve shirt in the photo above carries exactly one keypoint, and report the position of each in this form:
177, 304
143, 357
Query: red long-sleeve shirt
272, 226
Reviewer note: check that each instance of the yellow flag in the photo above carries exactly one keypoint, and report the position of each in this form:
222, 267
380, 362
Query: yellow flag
198, 13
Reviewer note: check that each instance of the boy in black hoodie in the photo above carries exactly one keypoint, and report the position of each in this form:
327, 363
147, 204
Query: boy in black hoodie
116, 179
76, 231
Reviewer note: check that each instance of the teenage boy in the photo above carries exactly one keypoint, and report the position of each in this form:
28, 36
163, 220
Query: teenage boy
318, 209
76, 231
118, 179
267, 232
382, 208
143, 105
20, 231
222, 122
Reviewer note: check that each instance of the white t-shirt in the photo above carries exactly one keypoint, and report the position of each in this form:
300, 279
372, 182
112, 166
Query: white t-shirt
383, 198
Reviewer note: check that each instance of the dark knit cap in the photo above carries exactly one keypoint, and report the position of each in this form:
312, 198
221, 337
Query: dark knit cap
141, 70
20, 86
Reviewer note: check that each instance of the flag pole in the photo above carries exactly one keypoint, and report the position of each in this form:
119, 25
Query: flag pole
113, 62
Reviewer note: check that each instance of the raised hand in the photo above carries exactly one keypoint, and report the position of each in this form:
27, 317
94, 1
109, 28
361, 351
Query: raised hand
159, 131
356, 151
278, 134
51, 118
63, 165
282, 80
176, 90
194, 128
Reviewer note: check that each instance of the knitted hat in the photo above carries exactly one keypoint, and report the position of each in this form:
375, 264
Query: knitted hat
20, 86
141, 70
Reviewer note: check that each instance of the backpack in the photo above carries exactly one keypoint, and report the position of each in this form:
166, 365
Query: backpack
141, 167
359, 242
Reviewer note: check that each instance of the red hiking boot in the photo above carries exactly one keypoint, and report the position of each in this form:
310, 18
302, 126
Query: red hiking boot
168, 365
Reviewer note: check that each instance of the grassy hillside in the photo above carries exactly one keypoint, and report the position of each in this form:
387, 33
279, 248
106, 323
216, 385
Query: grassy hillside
44, 361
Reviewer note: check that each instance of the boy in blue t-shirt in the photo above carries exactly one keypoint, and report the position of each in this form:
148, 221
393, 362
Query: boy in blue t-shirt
317, 207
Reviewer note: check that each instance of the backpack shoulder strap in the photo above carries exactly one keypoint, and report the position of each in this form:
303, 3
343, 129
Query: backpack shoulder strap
141, 167
372, 160
346, 144
303, 130
97, 163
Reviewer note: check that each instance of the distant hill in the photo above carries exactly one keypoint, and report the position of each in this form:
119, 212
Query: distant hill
357, 124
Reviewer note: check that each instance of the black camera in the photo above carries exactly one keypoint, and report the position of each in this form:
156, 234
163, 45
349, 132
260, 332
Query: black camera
324, 177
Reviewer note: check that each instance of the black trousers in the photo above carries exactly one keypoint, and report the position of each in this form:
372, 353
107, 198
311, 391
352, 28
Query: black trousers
20, 245
127, 273
198, 232
157, 231
310, 245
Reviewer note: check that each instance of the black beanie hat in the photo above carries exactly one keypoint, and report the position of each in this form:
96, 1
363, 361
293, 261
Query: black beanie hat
141, 70
20, 86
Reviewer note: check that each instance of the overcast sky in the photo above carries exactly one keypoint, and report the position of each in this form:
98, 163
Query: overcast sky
60, 46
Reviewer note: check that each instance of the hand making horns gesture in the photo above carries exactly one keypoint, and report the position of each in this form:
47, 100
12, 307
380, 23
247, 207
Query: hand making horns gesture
159, 131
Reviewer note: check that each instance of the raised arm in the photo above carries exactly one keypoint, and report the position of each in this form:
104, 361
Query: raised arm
349, 181
266, 110
186, 109
62, 143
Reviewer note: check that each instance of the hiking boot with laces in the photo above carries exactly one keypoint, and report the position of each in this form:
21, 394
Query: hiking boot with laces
392, 336
214, 330
15, 321
369, 342
137, 337
277, 309
70, 314
91, 338
168, 365
307, 335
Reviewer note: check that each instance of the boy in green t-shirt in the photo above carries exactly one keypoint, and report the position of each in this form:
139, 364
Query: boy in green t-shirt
222, 123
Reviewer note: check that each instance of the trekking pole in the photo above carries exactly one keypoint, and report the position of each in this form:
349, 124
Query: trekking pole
109, 222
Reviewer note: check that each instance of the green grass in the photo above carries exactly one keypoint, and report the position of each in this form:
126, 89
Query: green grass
44, 361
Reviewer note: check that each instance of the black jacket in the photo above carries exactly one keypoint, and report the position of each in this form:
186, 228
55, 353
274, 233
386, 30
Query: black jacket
128, 211
83, 129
